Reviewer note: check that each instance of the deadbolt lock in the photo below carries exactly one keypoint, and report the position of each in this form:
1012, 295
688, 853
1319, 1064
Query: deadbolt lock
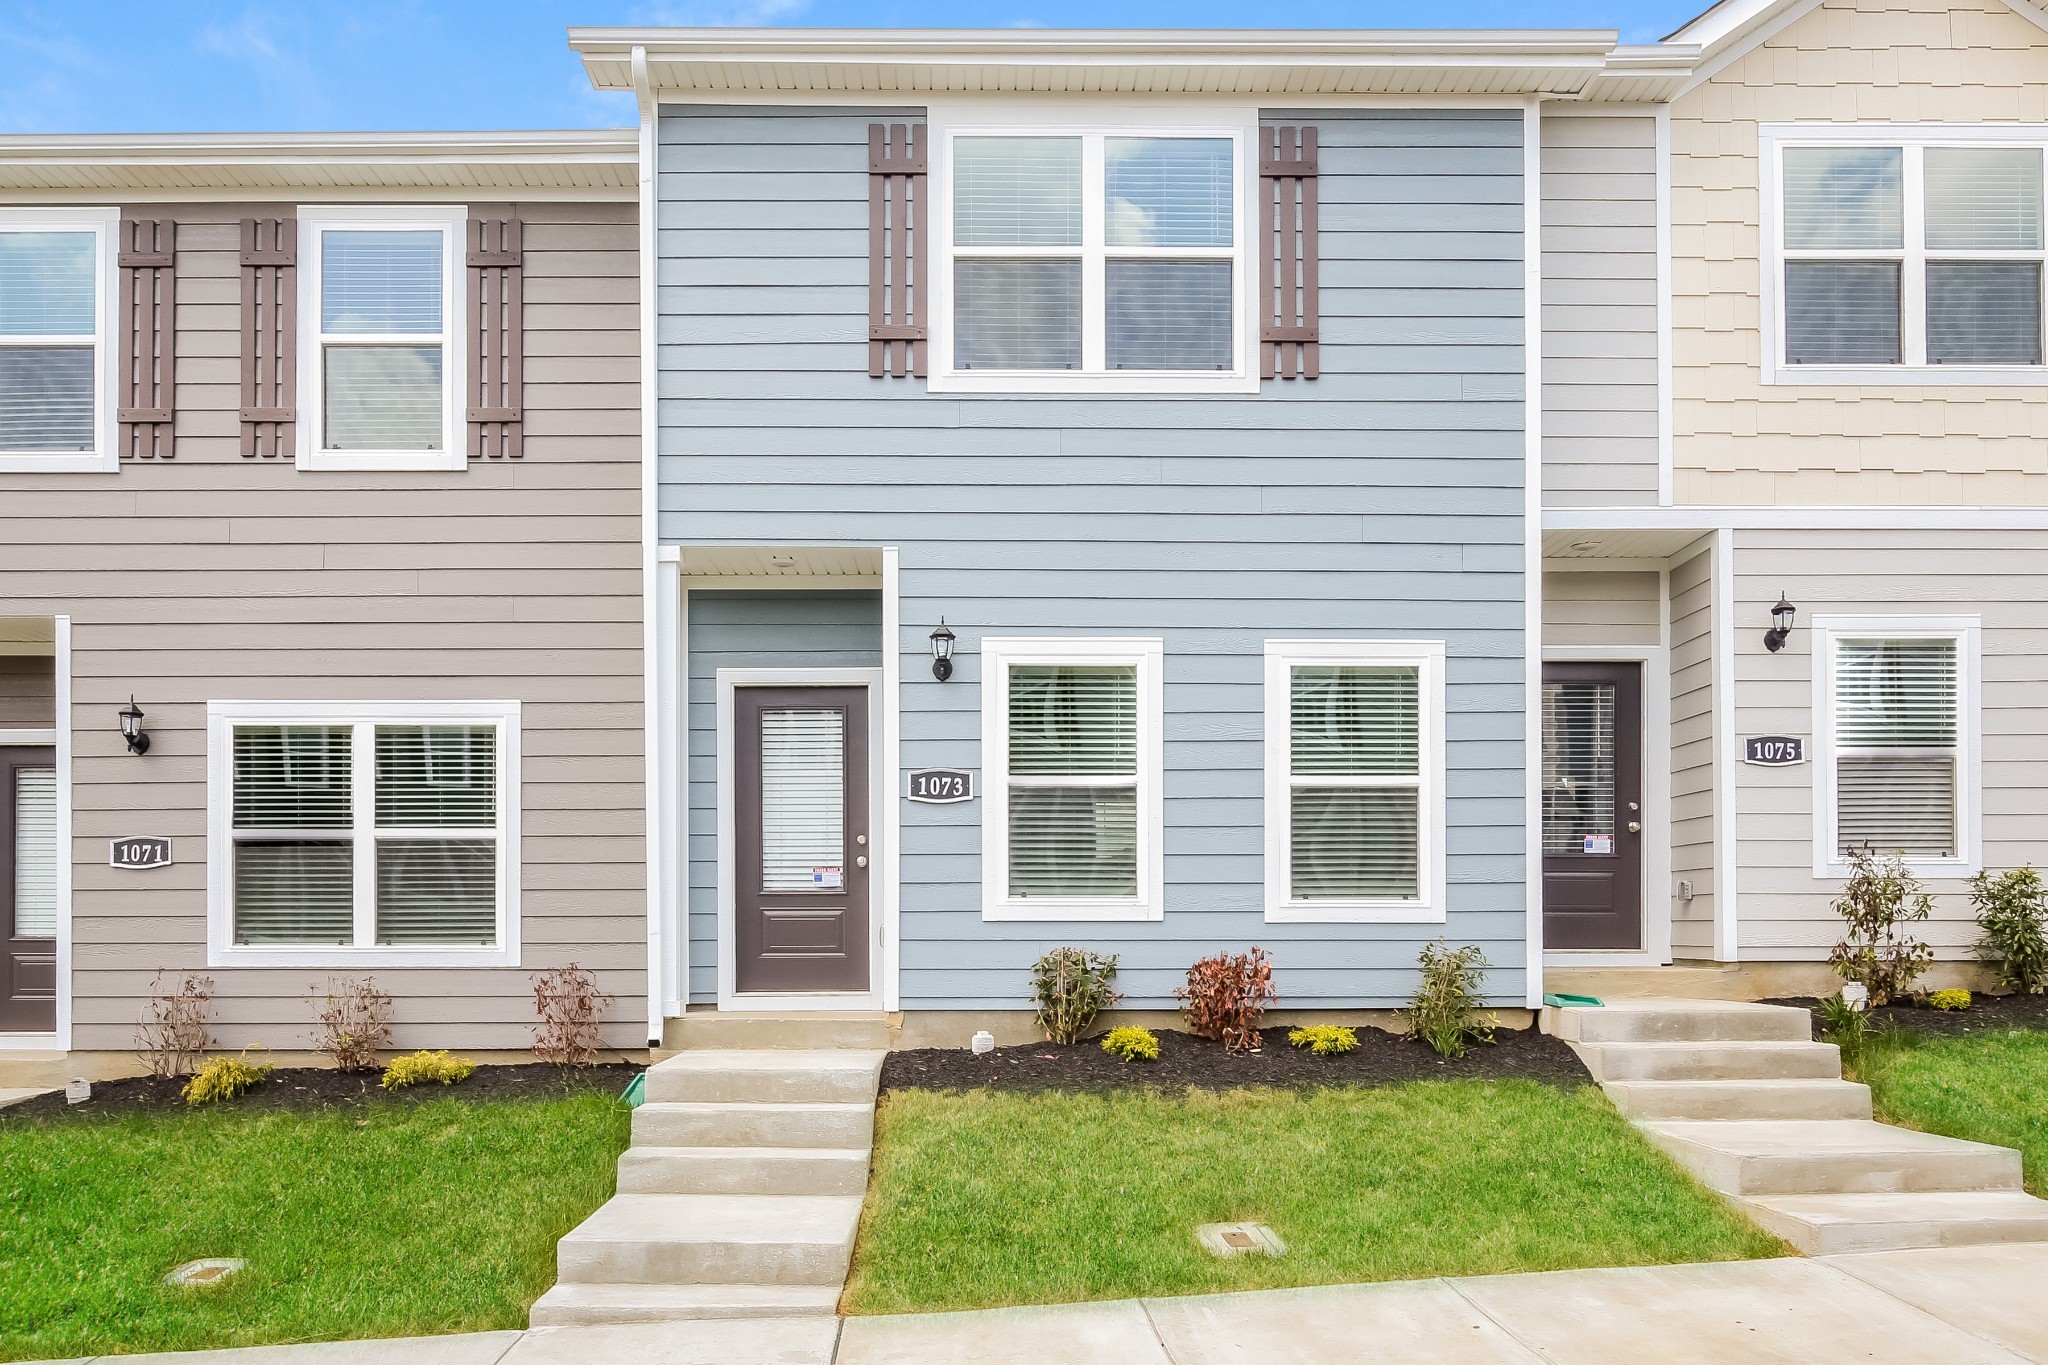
860, 838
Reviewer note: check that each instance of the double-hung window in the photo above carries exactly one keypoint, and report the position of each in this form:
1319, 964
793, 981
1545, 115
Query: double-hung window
380, 314
1909, 257
379, 834
56, 364
1895, 701
1071, 759
1094, 259
1354, 780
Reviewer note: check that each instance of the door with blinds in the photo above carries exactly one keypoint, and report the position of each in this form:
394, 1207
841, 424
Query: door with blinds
802, 850
28, 888
1592, 806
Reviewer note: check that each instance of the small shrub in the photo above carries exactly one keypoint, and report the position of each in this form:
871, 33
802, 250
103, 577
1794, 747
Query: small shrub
1879, 898
1132, 1044
1841, 1022
1226, 996
2012, 915
224, 1078
568, 1003
1446, 1008
1071, 987
173, 1034
1950, 1000
1325, 1040
354, 1021
427, 1068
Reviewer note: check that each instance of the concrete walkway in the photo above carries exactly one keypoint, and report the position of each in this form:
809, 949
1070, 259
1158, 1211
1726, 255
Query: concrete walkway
1956, 1306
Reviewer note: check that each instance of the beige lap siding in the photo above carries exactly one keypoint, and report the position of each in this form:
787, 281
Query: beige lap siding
214, 577
1849, 61
1600, 608
1693, 813
28, 697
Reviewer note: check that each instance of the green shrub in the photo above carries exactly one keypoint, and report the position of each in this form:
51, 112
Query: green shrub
1446, 1007
224, 1078
1950, 1000
1132, 1044
1325, 1040
427, 1068
1841, 1022
1071, 987
2012, 915
1880, 896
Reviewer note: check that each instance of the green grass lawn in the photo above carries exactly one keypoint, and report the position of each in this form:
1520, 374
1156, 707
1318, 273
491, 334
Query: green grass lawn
358, 1221
981, 1199
1988, 1087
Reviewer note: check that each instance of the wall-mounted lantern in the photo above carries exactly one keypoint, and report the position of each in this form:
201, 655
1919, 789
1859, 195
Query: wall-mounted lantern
131, 727
1781, 625
942, 652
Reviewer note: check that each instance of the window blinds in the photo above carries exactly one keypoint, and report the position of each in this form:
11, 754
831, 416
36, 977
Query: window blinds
35, 852
803, 797
1355, 776
1898, 727
48, 325
1578, 763
381, 393
1073, 780
291, 781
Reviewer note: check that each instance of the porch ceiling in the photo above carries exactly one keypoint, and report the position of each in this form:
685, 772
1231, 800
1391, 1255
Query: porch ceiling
782, 561
1660, 544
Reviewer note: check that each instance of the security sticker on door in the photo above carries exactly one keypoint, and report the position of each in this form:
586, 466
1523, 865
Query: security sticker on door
1599, 843
828, 878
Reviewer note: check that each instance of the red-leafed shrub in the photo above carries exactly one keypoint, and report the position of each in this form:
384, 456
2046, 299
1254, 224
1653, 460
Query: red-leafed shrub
1225, 997
568, 1004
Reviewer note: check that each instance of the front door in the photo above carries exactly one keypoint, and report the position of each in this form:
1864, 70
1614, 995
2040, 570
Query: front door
1592, 806
28, 888
801, 844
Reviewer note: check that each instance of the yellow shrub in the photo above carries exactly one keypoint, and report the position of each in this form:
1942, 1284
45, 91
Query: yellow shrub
427, 1068
1325, 1039
223, 1078
1950, 1000
1132, 1044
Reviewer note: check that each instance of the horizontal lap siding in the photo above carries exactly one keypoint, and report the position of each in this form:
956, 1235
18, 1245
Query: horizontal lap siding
1383, 499
28, 692
1693, 811
1600, 412
211, 577
1597, 608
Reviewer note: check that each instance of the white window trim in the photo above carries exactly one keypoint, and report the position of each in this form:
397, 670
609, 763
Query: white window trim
452, 222
1427, 657
1967, 632
1914, 138
1148, 656
103, 223
223, 716
1240, 123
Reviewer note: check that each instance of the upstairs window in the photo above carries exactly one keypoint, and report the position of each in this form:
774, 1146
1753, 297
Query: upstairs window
1911, 258
56, 292
1088, 259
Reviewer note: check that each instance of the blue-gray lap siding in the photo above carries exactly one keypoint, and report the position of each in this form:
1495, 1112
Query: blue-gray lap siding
1383, 499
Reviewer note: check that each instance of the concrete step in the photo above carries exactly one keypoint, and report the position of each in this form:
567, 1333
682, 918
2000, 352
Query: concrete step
1711, 1061
1797, 1099
682, 1239
743, 1170
675, 1124
711, 1075
1839, 1156
1679, 1021
1835, 1224
859, 1031
589, 1305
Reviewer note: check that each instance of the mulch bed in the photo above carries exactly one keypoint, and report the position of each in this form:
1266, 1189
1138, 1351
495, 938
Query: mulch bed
1186, 1061
310, 1087
1987, 1013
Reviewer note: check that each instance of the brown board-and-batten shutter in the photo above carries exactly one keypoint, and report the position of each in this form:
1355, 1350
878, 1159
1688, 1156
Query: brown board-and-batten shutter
1290, 317
496, 400
270, 337
147, 258
898, 341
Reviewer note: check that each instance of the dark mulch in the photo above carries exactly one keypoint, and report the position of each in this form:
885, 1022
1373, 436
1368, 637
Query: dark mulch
1986, 1013
1188, 1061
309, 1087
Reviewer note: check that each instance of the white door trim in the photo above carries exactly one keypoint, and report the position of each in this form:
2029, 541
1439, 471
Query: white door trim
1656, 778
879, 792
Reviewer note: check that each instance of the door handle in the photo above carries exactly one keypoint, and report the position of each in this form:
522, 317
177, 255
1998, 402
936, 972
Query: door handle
860, 861
1635, 827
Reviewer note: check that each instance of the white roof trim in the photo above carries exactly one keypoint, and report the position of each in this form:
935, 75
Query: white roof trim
1732, 27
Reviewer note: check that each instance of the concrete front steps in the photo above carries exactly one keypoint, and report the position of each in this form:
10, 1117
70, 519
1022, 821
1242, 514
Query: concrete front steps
1741, 1096
739, 1197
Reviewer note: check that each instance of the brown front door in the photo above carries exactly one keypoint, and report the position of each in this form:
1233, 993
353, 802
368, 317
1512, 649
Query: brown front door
1592, 806
801, 843
28, 888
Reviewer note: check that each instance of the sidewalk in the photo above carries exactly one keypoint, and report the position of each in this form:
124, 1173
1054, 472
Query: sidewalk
1955, 1306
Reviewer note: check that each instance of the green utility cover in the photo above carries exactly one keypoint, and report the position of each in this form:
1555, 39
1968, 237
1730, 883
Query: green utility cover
636, 1091
1582, 1002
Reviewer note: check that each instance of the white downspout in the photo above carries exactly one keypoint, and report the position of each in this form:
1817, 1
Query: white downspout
650, 543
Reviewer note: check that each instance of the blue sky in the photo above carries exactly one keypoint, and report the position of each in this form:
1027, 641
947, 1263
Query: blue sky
118, 66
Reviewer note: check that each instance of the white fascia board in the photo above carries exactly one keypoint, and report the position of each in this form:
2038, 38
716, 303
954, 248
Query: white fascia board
1704, 518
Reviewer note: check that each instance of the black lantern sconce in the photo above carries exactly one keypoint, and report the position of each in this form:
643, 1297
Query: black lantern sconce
942, 652
131, 727
1781, 625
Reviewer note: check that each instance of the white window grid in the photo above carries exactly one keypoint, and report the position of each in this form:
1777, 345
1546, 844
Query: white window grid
102, 223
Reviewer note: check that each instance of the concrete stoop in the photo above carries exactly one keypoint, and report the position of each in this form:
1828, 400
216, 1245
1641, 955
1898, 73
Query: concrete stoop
1741, 1096
739, 1196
